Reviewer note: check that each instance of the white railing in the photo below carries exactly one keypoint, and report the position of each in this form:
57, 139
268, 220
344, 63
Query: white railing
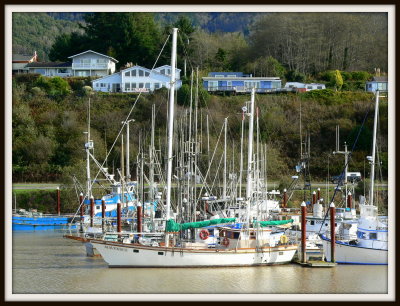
89, 66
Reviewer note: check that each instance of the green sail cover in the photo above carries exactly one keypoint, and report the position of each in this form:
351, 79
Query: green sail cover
273, 223
172, 226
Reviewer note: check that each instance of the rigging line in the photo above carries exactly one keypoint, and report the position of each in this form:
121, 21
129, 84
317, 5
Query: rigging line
120, 131
212, 158
341, 176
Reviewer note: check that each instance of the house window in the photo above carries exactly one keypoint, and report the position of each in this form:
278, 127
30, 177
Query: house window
229, 84
231, 75
127, 86
212, 85
133, 72
41, 71
162, 71
218, 76
140, 72
146, 73
319, 87
147, 85
97, 84
309, 87
156, 85
62, 70
133, 85
369, 85
140, 85
128, 73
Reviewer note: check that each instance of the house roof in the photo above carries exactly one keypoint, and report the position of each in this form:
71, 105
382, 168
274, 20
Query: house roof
49, 65
106, 77
166, 66
22, 57
380, 79
88, 51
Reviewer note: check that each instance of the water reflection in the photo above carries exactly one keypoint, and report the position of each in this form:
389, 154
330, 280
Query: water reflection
48, 263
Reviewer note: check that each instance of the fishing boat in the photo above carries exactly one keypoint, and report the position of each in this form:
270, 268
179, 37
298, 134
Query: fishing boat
33, 220
371, 245
250, 245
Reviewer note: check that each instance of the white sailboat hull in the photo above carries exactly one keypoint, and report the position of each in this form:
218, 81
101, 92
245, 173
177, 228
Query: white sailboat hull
128, 255
352, 254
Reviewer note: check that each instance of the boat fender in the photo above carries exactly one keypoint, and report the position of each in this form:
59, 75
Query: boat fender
204, 234
284, 239
225, 241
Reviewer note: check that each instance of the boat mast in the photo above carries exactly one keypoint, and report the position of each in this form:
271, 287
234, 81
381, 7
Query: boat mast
171, 125
87, 147
371, 192
249, 157
224, 187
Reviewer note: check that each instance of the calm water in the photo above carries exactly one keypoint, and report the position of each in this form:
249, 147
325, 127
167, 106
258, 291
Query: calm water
45, 262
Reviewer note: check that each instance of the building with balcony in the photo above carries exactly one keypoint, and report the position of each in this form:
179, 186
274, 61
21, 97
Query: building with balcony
91, 63
239, 83
50, 69
137, 79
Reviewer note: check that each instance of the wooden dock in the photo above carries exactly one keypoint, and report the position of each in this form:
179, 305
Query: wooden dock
316, 264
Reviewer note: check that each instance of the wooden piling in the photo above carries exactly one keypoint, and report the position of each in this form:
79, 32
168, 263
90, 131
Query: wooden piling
103, 214
349, 200
332, 215
318, 194
81, 210
58, 201
139, 218
91, 211
285, 199
119, 226
314, 198
303, 232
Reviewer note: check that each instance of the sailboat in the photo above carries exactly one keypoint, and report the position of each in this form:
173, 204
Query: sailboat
371, 245
244, 246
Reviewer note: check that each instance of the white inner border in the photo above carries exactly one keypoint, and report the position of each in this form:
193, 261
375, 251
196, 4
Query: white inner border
9, 9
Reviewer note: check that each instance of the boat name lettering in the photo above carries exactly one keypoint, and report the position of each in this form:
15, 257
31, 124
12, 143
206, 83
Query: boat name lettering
115, 248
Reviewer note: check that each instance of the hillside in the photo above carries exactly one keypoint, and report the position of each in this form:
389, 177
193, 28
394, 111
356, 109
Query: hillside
37, 32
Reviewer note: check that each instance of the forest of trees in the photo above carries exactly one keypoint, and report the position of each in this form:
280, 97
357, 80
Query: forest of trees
291, 45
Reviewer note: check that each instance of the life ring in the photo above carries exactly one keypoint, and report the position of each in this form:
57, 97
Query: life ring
284, 239
204, 234
225, 241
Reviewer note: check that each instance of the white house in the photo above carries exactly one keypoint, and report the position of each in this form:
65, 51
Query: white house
378, 83
137, 79
307, 87
50, 69
91, 63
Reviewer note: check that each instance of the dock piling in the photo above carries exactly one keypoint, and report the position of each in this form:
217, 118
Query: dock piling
303, 232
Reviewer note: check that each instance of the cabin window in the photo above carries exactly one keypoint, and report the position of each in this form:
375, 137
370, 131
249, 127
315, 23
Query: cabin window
156, 85
280, 253
127, 86
160, 253
135, 251
97, 206
319, 87
169, 71
162, 71
133, 72
373, 236
141, 72
128, 73
146, 73
147, 85
140, 85
335, 224
312, 222
133, 85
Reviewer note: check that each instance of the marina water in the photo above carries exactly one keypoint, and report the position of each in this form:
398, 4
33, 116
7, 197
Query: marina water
44, 262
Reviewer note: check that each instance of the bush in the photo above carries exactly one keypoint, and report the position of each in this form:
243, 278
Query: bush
54, 86
295, 76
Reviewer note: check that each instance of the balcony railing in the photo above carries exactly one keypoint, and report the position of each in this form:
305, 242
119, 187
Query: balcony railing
89, 66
